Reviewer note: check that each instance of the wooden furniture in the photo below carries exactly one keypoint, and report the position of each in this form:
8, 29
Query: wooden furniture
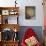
44, 36
0, 43
5, 13
10, 43
11, 26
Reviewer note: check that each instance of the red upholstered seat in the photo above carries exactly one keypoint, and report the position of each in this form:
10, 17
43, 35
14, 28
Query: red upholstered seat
29, 33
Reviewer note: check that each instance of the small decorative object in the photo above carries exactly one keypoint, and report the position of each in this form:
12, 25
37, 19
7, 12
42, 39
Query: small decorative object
15, 30
0, 19
0, 36
32, 41
29, 12
15, 37
7, 34
13, 12
15, 3
5, 12
6, 21
15, 34
0, 12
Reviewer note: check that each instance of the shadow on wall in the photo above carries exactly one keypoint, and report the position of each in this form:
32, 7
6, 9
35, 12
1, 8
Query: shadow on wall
37, 29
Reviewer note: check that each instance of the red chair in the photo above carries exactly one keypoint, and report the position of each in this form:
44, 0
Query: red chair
29, 33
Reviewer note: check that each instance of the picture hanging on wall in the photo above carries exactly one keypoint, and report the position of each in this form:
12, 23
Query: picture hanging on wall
30, 12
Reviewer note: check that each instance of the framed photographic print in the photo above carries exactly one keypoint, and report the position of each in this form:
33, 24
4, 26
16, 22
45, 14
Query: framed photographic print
30, 12
5, 12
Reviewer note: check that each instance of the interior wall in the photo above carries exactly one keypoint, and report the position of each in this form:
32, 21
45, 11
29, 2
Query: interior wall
39, 13
38, 21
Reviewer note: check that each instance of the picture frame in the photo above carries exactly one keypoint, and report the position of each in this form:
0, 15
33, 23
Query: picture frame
5, 12
30, 12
